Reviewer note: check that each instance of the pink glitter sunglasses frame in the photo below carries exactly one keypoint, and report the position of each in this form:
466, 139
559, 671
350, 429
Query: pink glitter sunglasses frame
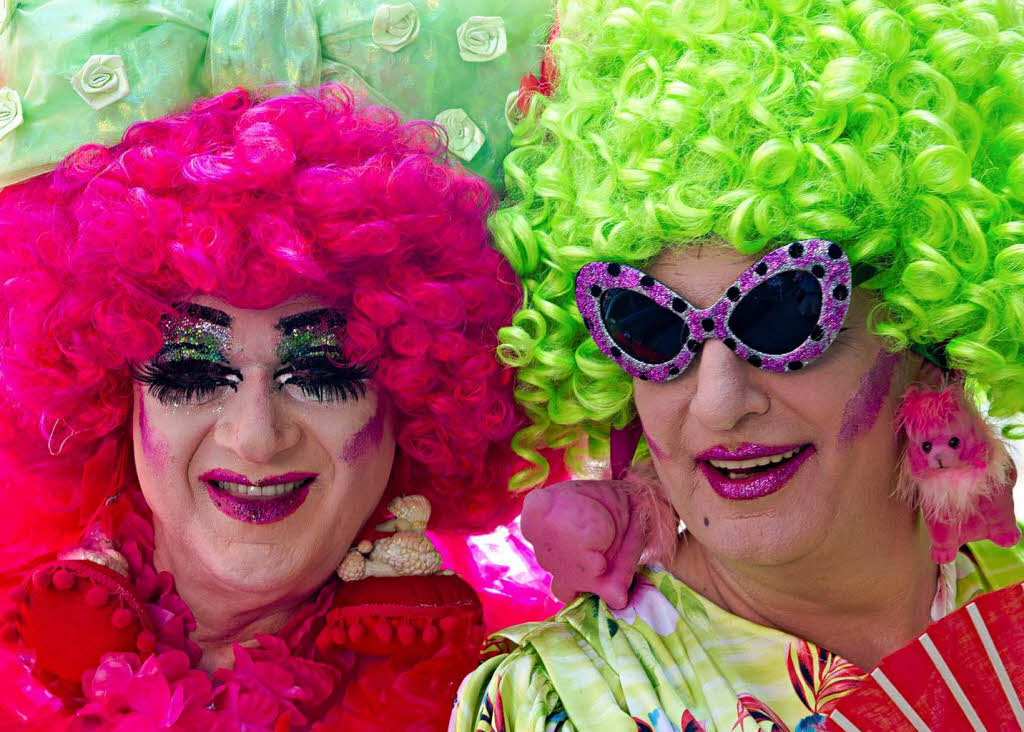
824, 260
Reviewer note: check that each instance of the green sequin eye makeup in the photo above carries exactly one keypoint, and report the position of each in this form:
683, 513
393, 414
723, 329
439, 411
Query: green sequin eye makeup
198, 333
310, 333
192, 367
312, 359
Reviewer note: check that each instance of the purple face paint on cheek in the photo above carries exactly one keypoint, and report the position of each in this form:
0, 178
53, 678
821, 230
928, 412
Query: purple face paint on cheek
367, 438
153, 447
862, 410
655, 449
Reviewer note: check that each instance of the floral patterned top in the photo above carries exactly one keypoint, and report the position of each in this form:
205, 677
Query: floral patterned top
672, 661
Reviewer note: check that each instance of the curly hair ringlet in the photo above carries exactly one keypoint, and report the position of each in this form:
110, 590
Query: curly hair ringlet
255, 201
895, 127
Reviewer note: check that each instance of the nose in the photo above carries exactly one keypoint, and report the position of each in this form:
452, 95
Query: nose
255, 423
725, 393
942, 458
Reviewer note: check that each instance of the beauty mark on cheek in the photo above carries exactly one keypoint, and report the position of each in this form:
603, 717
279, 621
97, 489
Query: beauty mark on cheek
367, 438
862, 410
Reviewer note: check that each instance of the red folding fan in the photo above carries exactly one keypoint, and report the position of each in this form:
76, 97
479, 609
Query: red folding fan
966, 672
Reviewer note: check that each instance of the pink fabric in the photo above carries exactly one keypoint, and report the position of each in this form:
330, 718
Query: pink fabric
502, 568
590, 535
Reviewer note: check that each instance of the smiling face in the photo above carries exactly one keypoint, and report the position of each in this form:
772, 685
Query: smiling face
260, 451
767, 468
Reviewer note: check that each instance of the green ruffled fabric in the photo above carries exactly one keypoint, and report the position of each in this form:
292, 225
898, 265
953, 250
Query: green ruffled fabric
80, 71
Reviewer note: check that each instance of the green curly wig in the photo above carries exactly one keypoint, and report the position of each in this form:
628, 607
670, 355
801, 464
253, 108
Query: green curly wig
895, 127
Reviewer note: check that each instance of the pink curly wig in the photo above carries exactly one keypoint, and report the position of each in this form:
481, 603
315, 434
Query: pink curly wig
254, 202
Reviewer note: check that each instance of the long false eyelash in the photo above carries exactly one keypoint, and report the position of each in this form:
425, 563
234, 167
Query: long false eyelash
185, 380
326, 379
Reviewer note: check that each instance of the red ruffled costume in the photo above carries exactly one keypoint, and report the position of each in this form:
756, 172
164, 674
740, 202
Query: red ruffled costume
108, 651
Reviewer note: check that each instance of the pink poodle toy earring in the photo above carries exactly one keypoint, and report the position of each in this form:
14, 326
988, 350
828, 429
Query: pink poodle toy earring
956, 469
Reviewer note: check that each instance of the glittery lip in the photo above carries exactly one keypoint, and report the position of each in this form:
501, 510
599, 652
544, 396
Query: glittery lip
758, 485
746, 451
256, 510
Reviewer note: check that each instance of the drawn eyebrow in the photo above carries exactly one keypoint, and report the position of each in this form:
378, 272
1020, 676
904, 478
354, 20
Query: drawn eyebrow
201, 312
327, 317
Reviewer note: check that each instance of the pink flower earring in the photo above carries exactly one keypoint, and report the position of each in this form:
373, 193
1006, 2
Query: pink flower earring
955, 469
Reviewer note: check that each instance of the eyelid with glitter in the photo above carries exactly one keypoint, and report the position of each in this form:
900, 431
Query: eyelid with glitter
195, 333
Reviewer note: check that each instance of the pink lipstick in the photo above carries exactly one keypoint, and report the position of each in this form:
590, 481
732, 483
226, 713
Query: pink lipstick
261, 501
749, 482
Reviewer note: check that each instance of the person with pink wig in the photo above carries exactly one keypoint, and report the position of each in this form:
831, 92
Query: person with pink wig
247, 354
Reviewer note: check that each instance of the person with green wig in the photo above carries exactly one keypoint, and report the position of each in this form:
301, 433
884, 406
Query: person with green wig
779, 246
248, 321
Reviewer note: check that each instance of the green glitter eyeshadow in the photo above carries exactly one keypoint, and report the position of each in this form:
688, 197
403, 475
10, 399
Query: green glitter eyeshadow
192, 339
308, 339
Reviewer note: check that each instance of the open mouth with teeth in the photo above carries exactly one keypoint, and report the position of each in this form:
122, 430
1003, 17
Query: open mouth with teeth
263, 501
260, 491
740, 469
754, 477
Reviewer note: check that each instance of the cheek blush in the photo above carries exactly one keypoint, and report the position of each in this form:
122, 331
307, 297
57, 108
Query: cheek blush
861, 412
655, 449
153, 447
367, 438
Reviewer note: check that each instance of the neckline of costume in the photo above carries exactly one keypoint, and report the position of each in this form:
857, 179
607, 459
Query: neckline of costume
274, 676
944, 601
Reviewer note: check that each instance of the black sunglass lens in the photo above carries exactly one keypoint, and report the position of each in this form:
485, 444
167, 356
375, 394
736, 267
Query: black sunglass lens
779, 314
641, 327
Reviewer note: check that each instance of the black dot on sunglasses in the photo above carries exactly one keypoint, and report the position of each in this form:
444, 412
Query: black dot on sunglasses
834, 251
817, 334
678, 304
647, 281
674, 370
595, 290
818, 271
616, 353
614, 269
707, 324
642, 377
587, 323
840, 292
795, 365
729, 343
761, 268
796, 250
754, 360
733, 293
692, 344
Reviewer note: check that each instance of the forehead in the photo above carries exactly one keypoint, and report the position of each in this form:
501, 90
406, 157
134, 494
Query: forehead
700, 272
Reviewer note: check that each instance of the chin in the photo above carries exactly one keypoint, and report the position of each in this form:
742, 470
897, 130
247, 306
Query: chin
770, 531
267, 569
